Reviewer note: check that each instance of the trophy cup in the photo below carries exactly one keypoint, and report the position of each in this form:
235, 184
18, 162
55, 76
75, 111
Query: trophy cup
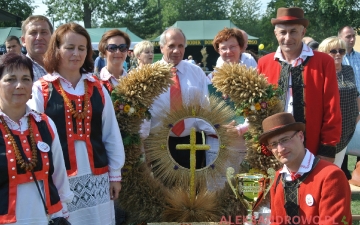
250, 186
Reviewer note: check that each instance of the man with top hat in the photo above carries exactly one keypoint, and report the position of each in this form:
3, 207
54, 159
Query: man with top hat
308, 80
307, 189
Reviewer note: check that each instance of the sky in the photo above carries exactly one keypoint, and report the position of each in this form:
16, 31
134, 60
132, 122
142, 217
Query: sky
41, 8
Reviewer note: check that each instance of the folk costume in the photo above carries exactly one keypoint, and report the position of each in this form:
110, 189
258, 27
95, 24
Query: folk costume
310, 94
91, 141
34, 137
307, 190
319, 195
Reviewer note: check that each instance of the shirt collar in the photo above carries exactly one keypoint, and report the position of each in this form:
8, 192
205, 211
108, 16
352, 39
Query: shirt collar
305, 166
55, 75
106, 75
28, 112
305, 52
180, 67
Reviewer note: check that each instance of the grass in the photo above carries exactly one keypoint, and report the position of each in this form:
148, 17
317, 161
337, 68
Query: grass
355, 199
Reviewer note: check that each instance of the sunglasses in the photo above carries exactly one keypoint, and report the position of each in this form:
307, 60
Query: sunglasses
341, 51
114, 47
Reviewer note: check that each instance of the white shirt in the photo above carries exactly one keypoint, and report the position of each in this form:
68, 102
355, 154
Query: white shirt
306, 51
29, 207
305, 166
193, 83
105, 75
110, 130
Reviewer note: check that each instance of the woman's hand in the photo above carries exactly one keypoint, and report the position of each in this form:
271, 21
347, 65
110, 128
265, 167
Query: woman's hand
115, 187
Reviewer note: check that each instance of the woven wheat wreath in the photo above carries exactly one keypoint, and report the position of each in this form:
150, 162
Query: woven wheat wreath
148, 193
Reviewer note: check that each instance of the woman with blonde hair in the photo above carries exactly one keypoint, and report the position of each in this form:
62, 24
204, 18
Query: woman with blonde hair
144, 52
84, 115
349, 101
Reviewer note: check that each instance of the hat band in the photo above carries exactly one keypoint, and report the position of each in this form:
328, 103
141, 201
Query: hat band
274, 128
287, 18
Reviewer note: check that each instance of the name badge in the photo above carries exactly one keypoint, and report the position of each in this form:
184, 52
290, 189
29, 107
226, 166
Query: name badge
309, 200
42, 146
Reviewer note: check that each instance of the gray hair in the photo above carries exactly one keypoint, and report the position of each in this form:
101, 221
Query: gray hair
162, 41
141, 46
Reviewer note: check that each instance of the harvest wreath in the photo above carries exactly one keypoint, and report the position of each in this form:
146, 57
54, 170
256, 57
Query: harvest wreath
157, 190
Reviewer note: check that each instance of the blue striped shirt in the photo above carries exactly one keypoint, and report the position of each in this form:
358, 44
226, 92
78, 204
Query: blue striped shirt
353, 60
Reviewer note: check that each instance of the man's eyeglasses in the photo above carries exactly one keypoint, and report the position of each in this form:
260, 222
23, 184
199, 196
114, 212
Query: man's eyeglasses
114, 47
341, 51
275, 144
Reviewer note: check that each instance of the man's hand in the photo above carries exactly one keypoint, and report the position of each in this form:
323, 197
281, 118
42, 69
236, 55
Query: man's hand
115, 187
326, 158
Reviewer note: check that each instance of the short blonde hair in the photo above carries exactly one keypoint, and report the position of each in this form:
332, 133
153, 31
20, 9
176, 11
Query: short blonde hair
331, 43
141, 46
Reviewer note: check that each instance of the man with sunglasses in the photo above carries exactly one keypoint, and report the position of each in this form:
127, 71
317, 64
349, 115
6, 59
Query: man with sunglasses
306, 190
308, 81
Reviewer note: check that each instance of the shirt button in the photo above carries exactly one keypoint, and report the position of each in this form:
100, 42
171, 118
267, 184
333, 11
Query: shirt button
24, 141
9, 142
9, 151
69, 123
11, 160
13, 177
37, 135
13, 168
47, 163
27, 149
45, 156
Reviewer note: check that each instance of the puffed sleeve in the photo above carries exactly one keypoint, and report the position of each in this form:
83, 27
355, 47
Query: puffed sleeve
59, 176
37, 99
112, 139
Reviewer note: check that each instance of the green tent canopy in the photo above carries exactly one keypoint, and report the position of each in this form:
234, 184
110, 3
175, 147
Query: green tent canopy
202, 32
9, 31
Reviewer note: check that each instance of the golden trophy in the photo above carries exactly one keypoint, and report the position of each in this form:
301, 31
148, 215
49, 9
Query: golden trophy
251, 187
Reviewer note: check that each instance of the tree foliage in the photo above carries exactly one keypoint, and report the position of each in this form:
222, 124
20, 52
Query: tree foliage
245, 14
19, 8
142, 17
148, 18
76, 10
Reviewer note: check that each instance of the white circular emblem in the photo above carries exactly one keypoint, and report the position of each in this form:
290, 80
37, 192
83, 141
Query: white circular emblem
43, 146
309, 199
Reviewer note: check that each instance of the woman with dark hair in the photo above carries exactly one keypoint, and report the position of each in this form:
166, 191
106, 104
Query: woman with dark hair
82, 110
29, 142
114, 45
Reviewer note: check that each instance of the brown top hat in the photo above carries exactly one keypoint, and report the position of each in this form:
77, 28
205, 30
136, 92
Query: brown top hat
277, 124
293, 15
355, 176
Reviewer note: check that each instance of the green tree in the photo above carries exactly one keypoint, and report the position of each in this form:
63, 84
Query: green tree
245, 14
76, 10
19, 8
142, 17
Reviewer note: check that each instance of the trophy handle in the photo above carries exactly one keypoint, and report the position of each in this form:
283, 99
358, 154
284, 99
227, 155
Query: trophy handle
271, 176
230, 175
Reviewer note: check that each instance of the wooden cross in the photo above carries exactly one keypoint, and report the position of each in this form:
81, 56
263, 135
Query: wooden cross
193, 148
